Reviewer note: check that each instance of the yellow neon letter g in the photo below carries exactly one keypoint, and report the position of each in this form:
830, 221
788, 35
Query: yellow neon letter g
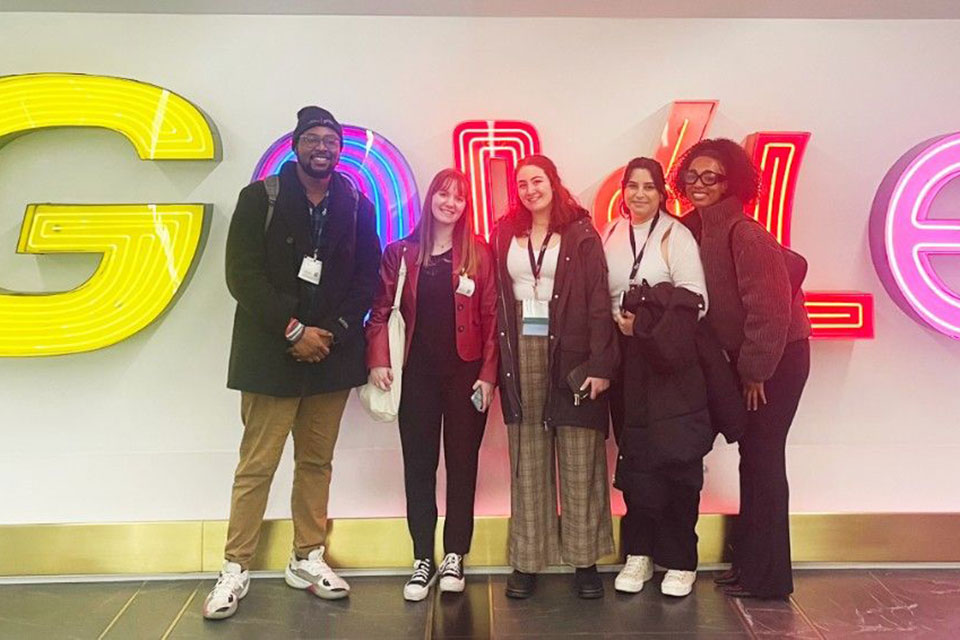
147, 250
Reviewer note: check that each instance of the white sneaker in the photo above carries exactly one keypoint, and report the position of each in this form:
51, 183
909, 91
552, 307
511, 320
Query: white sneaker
231, 587
451, 574
314, 575
636, 571
678, 583
418, 586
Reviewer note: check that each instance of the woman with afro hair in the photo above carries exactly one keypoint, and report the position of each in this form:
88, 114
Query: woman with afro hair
758, 316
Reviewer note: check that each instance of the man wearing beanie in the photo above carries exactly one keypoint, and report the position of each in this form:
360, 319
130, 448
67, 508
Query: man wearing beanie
302, 262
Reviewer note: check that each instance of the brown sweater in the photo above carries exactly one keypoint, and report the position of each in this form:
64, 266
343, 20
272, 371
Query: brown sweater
751, 310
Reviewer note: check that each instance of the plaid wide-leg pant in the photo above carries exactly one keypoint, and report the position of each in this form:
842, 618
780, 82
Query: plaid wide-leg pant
584, 531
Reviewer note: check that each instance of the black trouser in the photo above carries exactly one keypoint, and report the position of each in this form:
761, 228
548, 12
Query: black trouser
426, 401
762, 535
667, 534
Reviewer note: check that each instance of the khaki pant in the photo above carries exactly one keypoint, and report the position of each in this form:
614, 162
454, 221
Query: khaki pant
267, 420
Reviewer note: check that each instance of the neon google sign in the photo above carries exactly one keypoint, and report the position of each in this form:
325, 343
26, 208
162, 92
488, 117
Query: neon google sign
148, 250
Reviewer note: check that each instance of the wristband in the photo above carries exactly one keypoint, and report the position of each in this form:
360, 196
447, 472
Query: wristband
294, 330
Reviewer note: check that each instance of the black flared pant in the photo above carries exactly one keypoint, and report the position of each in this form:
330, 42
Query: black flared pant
762, 534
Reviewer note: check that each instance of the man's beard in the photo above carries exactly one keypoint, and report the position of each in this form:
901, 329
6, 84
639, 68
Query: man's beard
315, 173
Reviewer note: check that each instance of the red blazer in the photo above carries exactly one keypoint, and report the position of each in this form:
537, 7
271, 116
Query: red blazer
476, 315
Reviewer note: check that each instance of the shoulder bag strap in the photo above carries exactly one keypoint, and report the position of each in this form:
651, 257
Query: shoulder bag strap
401, 279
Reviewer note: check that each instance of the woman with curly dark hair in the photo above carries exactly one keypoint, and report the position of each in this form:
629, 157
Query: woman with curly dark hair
758, 316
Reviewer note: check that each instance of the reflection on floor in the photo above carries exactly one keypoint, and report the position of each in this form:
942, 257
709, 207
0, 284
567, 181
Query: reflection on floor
827, 604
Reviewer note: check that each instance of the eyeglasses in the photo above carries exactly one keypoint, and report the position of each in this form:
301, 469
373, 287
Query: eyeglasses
311, 141
708, 178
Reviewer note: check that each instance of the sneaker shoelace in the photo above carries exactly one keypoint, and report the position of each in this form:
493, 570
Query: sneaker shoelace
634, 564
228, 583
451, 566
678, 577
421, 572
318, 567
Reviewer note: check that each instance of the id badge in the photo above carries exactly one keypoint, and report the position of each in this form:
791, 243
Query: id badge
536, 318
310, 270
467, 286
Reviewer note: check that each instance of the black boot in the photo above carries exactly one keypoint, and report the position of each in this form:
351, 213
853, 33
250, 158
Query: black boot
588, 583
521, 585
730, 576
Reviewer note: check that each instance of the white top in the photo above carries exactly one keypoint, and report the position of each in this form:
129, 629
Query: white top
518, 266
684, 268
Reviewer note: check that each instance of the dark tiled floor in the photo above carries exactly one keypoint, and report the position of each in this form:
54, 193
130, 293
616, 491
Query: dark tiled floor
826, 604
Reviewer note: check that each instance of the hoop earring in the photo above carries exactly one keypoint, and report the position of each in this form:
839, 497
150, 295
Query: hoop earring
624, 212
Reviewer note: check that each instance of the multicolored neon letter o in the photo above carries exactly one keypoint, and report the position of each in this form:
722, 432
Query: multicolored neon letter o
903, 236
378, 170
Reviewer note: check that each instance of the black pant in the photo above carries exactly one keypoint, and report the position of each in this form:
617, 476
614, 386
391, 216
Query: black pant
426, 401
762, 535
667, 534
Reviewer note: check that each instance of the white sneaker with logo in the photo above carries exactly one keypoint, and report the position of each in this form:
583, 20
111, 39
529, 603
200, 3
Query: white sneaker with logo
231, 587
316, 576
678, 583
636, 571
451, 574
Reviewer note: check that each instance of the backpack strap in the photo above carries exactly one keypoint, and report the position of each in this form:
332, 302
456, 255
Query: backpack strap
610, 230
272, 185
355, 196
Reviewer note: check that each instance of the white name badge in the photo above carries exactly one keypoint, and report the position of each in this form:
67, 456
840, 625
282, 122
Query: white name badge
310, 270
536, 318
466, 286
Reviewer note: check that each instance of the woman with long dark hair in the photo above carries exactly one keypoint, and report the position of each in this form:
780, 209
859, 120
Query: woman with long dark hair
757, 314
659, 294
558, 354
449, 305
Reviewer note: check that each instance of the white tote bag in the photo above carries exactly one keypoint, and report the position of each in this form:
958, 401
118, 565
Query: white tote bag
383, 406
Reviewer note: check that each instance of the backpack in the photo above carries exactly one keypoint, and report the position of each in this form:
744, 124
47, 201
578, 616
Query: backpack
796, 264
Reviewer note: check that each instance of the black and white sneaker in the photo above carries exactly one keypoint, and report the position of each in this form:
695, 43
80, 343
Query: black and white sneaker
418, 586
451, 574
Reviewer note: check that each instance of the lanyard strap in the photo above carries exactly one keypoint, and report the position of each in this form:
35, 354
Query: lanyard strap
637, 257
318, 221
537, 265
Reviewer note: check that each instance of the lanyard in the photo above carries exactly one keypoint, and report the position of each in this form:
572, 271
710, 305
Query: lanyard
637, 257
537, 265
317, 223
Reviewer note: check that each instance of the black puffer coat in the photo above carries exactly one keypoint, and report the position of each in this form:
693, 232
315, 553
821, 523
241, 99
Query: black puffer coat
667, 422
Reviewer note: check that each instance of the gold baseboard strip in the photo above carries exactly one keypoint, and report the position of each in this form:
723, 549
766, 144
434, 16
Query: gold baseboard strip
135, 547
383, 543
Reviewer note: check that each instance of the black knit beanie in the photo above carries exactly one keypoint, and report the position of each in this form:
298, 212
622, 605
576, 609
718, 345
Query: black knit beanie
313, 116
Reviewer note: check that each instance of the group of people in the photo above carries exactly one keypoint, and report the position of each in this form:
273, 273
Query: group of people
672, 329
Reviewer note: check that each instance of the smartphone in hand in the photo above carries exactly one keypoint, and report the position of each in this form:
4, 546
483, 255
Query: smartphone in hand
477, 399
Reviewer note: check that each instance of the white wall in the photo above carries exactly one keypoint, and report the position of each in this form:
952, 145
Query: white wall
145, 430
